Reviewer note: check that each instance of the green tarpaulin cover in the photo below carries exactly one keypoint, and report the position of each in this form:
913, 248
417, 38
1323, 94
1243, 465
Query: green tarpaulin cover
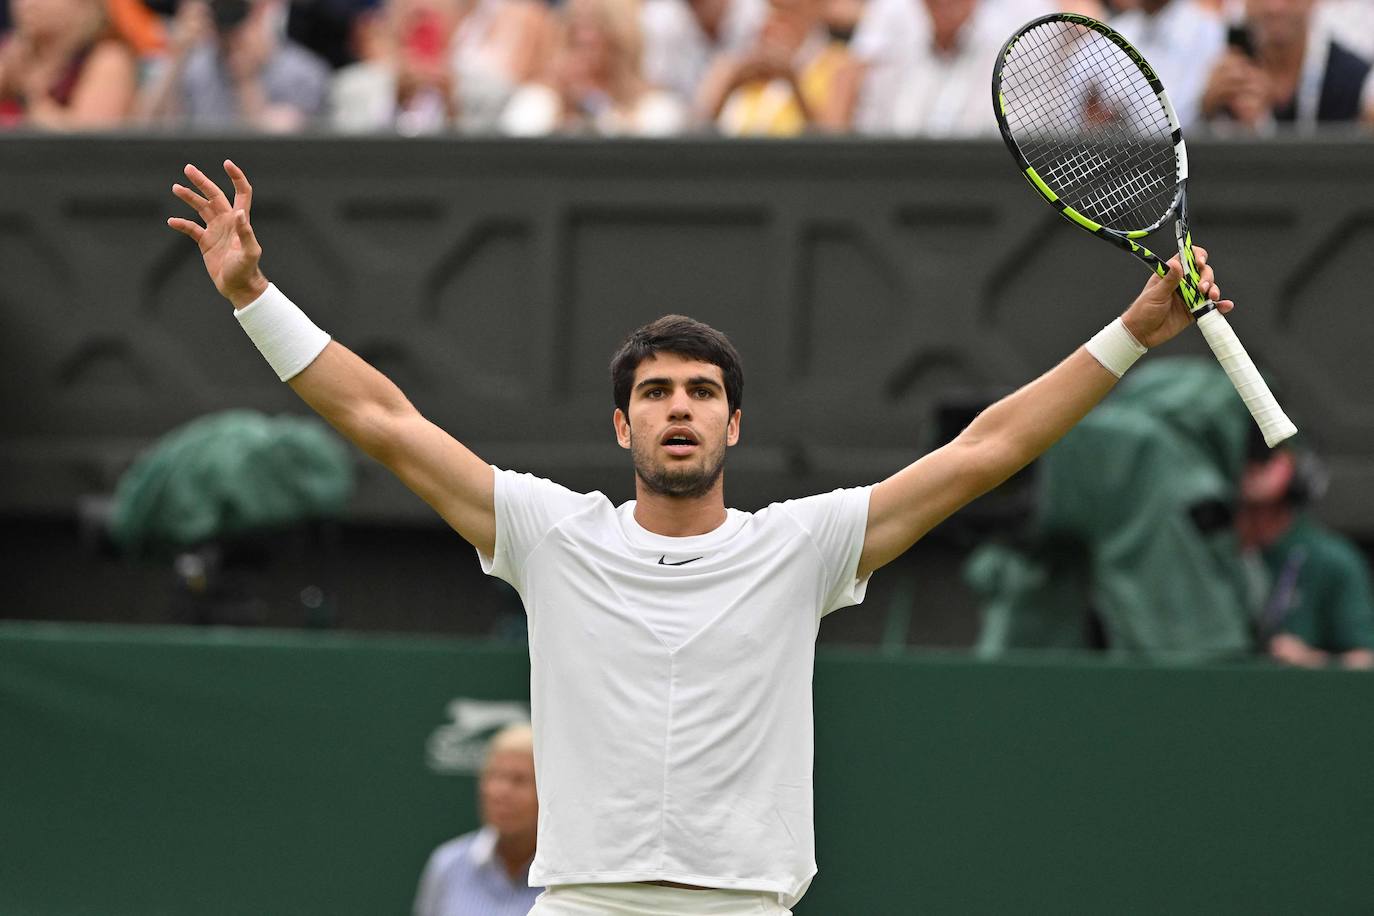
1134, 523
230, 473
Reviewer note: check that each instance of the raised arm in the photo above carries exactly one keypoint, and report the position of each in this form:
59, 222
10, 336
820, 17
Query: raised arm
1017, 429
356, 399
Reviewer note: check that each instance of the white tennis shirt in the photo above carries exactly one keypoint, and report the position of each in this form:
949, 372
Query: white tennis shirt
670, 682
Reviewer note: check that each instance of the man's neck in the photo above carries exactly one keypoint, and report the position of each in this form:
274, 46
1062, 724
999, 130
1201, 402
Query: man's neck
515, 853
679, 517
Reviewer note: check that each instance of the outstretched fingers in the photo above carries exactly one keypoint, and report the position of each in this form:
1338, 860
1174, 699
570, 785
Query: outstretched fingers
187, 227
243, 191
214, 197
247, 241
193, 200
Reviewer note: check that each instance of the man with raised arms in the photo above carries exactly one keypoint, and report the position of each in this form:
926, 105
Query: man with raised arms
671, 638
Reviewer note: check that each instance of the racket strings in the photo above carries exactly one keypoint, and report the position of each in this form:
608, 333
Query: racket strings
1087, 120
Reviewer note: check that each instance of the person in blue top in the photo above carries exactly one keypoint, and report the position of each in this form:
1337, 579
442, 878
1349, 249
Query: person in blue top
486, 872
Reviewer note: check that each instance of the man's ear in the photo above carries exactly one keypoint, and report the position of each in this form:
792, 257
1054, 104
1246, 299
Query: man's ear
622, 427
732, 428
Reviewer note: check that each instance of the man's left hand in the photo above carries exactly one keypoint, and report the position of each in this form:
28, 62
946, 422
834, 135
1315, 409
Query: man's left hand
1158, 313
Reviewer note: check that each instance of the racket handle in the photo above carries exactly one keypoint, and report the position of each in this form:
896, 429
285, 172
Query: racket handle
1273, 422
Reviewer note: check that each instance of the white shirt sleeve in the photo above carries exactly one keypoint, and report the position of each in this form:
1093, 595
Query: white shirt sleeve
527, 509
836, 522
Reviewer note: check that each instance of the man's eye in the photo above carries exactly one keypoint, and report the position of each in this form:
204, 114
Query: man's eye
704, 392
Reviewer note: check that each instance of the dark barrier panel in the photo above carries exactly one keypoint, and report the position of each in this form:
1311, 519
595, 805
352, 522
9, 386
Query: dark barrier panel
150, 772
492, 280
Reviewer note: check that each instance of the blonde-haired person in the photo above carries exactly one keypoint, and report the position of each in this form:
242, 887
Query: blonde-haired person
61, 68
595, 84
486, 872
796, 78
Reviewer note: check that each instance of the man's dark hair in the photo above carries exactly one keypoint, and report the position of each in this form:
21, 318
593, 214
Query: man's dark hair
684, 337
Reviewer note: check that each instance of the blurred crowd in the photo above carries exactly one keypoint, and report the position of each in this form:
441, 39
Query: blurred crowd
642, 67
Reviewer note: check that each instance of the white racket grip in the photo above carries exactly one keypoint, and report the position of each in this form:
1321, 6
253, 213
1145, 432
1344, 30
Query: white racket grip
1240, 369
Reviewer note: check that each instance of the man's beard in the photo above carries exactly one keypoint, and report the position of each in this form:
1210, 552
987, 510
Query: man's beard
679, 483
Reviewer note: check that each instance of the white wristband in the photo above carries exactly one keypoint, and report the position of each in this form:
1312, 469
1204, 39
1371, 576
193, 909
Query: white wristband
288, 339
1115, 348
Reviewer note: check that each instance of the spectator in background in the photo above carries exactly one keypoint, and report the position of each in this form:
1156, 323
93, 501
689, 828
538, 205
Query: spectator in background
486, 873
1316, 604
61, 68
795, 78
227, 65
406, 82
500, 45
1180, 39
886, 40
682, 37
433, 65
1279, 69
595, 83
897, 44
943, 89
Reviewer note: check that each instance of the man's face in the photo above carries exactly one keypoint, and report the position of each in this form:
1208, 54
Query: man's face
506, 793
679, 425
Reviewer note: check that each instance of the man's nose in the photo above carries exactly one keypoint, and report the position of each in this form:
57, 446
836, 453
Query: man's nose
681, 406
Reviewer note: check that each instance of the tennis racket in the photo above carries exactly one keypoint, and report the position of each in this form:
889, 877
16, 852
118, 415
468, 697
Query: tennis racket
1087, 120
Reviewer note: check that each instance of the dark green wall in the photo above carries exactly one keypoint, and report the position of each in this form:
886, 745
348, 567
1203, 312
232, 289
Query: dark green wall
862, 281
197, 773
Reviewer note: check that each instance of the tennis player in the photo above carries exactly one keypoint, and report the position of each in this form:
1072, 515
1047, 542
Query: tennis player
671, 638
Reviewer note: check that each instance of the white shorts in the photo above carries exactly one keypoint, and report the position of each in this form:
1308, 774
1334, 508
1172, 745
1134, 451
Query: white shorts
653, 900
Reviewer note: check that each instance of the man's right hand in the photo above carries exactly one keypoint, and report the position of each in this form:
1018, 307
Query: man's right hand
226, 241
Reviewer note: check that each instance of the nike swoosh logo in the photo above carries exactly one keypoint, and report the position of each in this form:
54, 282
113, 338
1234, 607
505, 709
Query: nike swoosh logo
663, 561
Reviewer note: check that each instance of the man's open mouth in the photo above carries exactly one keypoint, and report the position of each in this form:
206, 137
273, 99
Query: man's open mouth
679, 442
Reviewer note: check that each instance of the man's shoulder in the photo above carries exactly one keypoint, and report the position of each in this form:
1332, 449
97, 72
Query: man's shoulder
806, 512
524, 485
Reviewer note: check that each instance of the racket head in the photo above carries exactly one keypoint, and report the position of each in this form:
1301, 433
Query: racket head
1088, 121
